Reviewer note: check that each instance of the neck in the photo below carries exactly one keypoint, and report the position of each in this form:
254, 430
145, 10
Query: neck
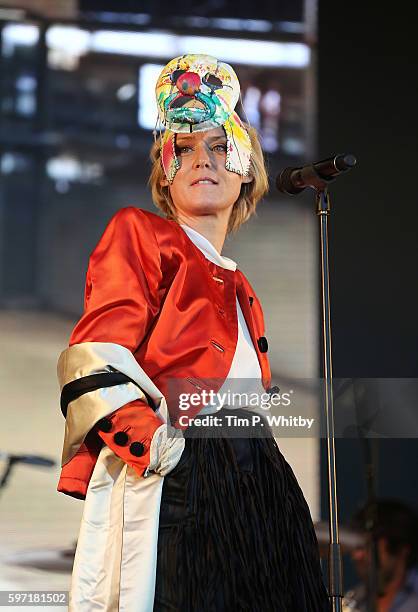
213, 228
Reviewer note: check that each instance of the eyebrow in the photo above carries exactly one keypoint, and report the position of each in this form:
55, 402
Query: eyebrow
181, 139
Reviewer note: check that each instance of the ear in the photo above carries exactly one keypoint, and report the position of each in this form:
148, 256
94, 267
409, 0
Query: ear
164, 182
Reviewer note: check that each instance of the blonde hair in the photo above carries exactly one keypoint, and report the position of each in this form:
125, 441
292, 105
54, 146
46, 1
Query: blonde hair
244, 207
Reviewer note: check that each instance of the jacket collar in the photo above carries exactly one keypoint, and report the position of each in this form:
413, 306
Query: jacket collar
208, 250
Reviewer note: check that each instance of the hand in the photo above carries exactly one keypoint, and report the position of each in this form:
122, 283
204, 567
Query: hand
167, 446
140, 438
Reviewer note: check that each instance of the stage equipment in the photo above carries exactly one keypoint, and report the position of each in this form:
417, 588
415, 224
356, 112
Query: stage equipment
292, 181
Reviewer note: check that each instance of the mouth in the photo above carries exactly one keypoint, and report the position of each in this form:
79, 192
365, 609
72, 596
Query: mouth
205, 180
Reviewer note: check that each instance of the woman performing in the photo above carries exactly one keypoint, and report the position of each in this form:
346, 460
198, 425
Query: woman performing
180, 517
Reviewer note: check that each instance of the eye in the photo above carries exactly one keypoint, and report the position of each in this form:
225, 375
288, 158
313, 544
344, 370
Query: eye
220, 147
183, 149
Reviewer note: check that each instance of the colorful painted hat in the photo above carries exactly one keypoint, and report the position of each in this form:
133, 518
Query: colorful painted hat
199, 93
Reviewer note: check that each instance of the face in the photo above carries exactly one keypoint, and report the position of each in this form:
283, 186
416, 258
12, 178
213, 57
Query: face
388, 562
202, 185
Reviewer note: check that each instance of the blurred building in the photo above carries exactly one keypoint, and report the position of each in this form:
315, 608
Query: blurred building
76, 119
53, 9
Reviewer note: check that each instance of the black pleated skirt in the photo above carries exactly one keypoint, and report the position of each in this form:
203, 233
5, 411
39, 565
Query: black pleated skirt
235, 531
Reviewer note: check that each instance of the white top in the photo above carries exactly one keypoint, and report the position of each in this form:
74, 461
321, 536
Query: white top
245, 364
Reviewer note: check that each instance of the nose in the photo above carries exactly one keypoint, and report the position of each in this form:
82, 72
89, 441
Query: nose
201, 157
201, 163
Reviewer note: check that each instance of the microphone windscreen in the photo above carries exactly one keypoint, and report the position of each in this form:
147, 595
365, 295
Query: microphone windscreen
284, 182
345, 162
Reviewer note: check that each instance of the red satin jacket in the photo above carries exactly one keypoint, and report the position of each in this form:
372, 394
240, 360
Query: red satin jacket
151, 290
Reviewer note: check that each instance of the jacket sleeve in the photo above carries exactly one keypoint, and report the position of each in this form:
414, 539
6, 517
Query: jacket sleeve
122, 296
122, 299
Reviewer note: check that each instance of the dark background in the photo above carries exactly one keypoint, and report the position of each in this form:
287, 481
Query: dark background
285, 10
367, 105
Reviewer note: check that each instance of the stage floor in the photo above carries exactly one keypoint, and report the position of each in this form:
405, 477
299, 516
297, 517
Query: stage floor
36, 522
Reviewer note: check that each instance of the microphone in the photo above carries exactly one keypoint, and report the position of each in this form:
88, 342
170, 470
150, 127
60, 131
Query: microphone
295, 180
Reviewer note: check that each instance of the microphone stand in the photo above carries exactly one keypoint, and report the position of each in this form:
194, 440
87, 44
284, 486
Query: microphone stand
334, 555
12, 460
293, 181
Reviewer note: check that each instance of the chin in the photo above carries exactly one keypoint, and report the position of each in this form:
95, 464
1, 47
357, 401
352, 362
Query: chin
207, 206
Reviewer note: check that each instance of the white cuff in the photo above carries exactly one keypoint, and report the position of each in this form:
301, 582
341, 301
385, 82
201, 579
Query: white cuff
166, 448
